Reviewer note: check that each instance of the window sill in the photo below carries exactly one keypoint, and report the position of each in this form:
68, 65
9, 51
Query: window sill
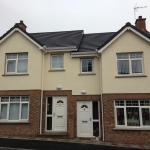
55, 70
84, 74
129, 128
54, 133
23, 74
15, 122
130, 76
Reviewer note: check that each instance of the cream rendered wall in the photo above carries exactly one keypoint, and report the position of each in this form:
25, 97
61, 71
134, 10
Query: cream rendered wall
18, 43
69, 79
128, 42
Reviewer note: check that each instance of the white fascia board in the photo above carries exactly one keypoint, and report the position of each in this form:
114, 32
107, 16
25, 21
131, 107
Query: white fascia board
80, 53
16, 29
127, 28
85, 55
59, 50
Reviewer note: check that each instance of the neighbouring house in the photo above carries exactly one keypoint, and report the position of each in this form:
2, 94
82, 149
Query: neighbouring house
70, 84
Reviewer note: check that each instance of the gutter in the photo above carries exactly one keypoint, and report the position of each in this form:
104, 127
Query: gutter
61, 49
42, 78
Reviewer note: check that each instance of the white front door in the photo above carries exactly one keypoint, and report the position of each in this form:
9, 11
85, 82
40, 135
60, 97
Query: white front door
59, 114
84, 119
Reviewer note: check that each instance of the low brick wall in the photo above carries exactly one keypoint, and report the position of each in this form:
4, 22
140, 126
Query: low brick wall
138, 137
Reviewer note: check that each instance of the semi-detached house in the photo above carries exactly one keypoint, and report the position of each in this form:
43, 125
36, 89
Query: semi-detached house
70, 84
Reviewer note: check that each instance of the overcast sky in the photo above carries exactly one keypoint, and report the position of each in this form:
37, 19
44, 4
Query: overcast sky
92, 16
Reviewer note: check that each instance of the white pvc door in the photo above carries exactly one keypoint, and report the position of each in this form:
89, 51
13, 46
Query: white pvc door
84, 119
59, 113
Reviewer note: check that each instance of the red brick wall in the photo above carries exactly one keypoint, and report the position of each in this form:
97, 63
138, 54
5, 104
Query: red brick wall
71, 109
30, 129
120, 136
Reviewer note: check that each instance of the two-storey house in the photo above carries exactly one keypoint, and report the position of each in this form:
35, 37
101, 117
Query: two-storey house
70, 84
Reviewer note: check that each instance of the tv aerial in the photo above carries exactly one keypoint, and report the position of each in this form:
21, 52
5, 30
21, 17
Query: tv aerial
136, 9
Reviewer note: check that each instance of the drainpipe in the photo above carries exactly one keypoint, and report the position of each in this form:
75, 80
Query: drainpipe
42, 90
101, 101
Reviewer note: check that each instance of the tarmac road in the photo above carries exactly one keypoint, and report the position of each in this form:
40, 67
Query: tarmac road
52, 145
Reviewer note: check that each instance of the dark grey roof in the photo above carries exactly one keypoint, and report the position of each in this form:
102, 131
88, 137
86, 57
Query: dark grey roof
90, 42
59, 39
148, 33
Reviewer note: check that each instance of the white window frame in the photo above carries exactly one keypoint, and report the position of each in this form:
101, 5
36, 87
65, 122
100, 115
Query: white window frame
8, 109
62, 62
130, 65
16, 63
125, 114
88, 72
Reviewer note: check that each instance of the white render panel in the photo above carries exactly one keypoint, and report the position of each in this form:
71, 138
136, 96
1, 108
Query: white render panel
17, 43
70, 78
126, 43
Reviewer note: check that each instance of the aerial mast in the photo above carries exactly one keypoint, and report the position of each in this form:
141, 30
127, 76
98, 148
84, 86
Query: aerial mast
136, 9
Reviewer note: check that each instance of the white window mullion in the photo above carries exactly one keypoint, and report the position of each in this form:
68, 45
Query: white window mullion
17, 63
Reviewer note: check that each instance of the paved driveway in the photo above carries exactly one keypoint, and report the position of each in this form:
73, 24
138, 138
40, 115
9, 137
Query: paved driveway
52, 145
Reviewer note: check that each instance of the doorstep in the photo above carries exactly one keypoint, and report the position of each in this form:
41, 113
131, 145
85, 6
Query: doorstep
78, 140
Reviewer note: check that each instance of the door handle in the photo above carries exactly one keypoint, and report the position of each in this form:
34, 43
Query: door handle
53, 114
84, 121
90, 119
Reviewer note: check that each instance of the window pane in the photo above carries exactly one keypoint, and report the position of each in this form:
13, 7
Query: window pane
95, 110
11, 65
11, 56
87, 66
57, 61
120, 116
119, 103
22, 65
144, 103
49, 106
14, 99
95, 128
123, 66
14, 111
4, 99
132, 103
122, 56
133, 118
3, 111
136, 66
24, 111
49, 123
146, 116
24, 99
23, 55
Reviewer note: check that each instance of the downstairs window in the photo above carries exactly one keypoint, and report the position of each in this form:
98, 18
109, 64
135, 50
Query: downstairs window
14, 109
132, 113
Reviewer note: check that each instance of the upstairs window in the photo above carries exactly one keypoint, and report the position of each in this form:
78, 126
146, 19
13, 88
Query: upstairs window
57, 62
86, 65
130, 63
16, 63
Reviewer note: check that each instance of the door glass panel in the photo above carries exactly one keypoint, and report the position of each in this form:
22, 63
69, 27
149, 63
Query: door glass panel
49, 123
120, 116
133, 118
49, 106
95, 128
95, 110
